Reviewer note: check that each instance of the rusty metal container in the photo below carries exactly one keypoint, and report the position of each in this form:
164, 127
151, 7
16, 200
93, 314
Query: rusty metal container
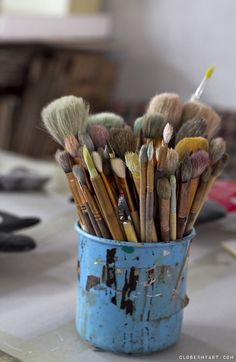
130, 296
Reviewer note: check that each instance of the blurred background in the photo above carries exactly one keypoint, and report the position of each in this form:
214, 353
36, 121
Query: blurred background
116, 55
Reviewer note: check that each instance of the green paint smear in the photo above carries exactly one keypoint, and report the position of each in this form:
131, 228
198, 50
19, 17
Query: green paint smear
128, 249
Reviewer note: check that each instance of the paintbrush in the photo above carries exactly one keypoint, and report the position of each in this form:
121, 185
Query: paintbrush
125, 219
66, 116
197, 202
164, 195
152, 127
122, 140
97, 159
200, 161
192, 128
85, 206
118, 166
217, 149
138, 126
182, 210
217, 169
107, 119
99, 222
189, 145
65, 161
169, 105
173, 227
142, 194
132, 162
85, 139
150, 226
197, 95
167, 134
99, 135
103, 198
208, 74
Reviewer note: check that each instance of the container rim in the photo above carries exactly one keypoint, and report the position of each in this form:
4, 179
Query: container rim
133, 244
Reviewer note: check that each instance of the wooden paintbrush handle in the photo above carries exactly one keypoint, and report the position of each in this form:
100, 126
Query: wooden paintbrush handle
97, 215
135, 218
108, 211
75, 195
182, 209
137, 184
93, 221
149, 216
142, 200
110, 192
164, 207
173, 221
130, 232
194, 182
196, 206
88, 223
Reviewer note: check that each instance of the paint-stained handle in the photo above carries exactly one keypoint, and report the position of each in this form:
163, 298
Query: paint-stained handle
107, 208
149, 216
182, 209
130, 232
164, 207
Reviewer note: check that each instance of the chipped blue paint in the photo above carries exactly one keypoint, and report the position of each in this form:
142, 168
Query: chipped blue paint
124, 301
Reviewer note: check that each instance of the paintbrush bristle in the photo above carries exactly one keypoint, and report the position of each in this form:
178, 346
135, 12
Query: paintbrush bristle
218, 167
132, 162
197, 109
118, 166
85, 139
172, 160
99, 135
200, 160
138, 125
152, 125
89, 163
66, 116
217, 148
143, 154
167, 133
64, 160
192, 128
79, 174
107, 119
163, 188
97, 159
122, 140
191, 144
172, 180
72, 146
186, 169
150, 151
169, 105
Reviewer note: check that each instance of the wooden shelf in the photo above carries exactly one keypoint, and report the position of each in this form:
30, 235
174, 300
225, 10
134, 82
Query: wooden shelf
81, 28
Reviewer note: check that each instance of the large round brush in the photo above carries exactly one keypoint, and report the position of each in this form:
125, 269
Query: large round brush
99, 135
152, 127
107, 119
66, 116
191, 144
192, 128
169, 105
122, 140
138, 125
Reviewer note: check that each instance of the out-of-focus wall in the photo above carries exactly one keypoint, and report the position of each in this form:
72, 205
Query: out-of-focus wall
166, 45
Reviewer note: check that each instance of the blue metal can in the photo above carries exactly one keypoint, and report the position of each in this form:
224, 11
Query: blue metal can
130, 296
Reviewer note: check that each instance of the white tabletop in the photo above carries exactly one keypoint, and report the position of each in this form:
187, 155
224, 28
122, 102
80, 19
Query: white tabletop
37, 291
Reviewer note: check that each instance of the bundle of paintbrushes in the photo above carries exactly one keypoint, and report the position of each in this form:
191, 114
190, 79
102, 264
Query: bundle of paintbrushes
143, 185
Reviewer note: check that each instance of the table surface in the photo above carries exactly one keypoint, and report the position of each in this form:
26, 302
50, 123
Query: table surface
37, 294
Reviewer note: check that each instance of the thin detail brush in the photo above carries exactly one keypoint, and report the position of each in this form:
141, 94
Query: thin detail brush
173, 226
103, 198
142, 194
